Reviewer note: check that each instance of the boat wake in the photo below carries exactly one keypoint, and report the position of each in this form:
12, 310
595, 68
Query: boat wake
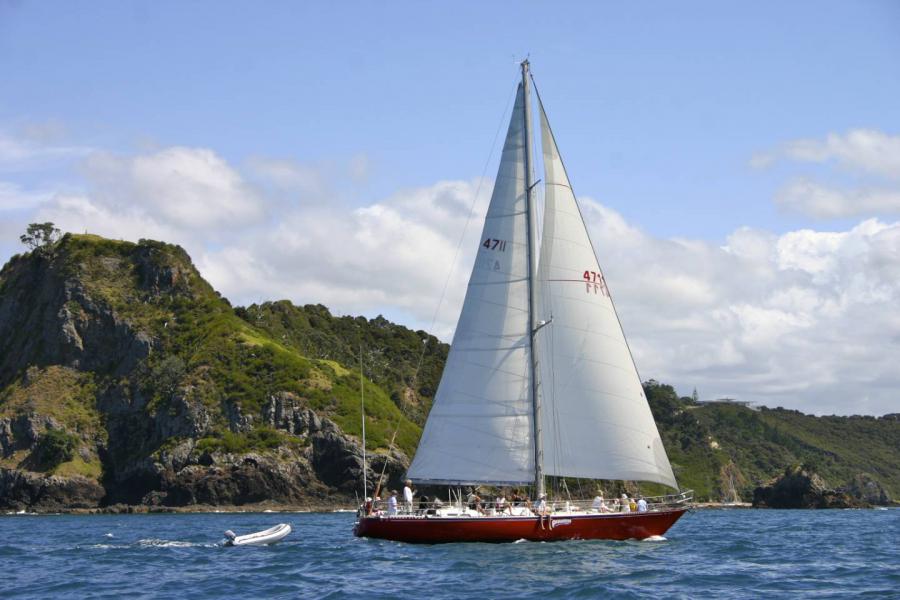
157, 543
655, 538
149, 543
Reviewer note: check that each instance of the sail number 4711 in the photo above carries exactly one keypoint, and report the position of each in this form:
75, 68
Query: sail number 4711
492, 244
595, 283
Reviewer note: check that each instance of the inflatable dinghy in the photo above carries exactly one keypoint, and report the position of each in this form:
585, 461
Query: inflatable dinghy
260, 538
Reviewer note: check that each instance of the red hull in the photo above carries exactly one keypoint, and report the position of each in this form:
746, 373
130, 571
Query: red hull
434, 530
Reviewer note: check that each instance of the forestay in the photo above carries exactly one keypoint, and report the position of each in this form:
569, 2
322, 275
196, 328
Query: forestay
596, 421
479, 429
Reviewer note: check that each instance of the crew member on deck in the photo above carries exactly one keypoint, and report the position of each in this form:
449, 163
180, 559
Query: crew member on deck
408, 496
392, 503
540, 505
501, 505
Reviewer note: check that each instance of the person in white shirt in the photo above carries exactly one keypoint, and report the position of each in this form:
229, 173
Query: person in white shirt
625, 507
408, 496
392, 503
642, 505
540, 505
599, 504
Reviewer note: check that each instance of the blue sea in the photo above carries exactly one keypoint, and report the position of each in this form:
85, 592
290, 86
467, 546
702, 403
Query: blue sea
708, 554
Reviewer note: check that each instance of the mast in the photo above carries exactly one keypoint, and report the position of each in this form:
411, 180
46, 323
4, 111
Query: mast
532, 288
362, 410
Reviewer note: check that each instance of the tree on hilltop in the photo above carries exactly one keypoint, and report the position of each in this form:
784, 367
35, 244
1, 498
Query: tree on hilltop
40, 237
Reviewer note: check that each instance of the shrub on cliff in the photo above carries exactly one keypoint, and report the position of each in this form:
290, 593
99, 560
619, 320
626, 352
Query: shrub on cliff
54, 448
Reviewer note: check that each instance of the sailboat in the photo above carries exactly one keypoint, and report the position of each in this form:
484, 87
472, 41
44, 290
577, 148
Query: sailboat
539, 381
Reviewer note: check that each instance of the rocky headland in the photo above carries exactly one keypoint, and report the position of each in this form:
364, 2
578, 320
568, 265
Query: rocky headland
125, 379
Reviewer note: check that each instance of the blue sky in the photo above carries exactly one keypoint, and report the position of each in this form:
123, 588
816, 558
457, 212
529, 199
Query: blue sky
702, 122
658, 106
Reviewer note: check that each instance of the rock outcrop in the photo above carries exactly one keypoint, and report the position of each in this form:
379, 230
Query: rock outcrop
23, 490
866, 489
799, 487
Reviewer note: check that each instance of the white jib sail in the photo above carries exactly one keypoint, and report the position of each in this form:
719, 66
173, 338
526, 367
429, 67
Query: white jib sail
479, 429
595, 419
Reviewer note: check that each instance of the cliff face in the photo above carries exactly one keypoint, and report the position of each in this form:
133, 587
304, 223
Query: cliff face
124, 377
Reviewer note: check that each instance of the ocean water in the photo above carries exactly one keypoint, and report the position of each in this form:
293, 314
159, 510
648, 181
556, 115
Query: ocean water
707, 554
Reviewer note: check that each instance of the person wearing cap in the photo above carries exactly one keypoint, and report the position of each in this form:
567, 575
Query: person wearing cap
392, 503
408, 496
626, 508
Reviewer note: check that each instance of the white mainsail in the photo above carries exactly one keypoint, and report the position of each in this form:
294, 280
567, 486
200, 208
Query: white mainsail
479, 429
596, 422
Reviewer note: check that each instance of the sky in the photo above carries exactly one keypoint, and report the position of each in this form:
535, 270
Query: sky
738, 165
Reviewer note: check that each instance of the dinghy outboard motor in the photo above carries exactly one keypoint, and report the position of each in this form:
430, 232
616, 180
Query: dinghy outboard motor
229, 536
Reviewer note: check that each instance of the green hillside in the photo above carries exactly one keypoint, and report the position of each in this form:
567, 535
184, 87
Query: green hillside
405, 363
710, 444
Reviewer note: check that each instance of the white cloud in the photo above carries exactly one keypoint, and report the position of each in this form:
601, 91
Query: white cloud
868, 150
290, 175
395, 255
36, 147
188, 188
812, 199
14, 198
865, 150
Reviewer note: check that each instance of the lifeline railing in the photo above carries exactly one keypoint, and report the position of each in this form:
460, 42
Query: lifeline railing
420, 506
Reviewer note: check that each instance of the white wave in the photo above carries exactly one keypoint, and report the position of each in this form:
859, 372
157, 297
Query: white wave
157, 543
108, 535
655, 538
520, 541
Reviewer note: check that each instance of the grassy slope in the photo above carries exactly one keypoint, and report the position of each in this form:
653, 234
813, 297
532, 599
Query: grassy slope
66, 396
405, 363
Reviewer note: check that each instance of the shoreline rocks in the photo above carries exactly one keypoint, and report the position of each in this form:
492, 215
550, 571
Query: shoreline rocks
800, 487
